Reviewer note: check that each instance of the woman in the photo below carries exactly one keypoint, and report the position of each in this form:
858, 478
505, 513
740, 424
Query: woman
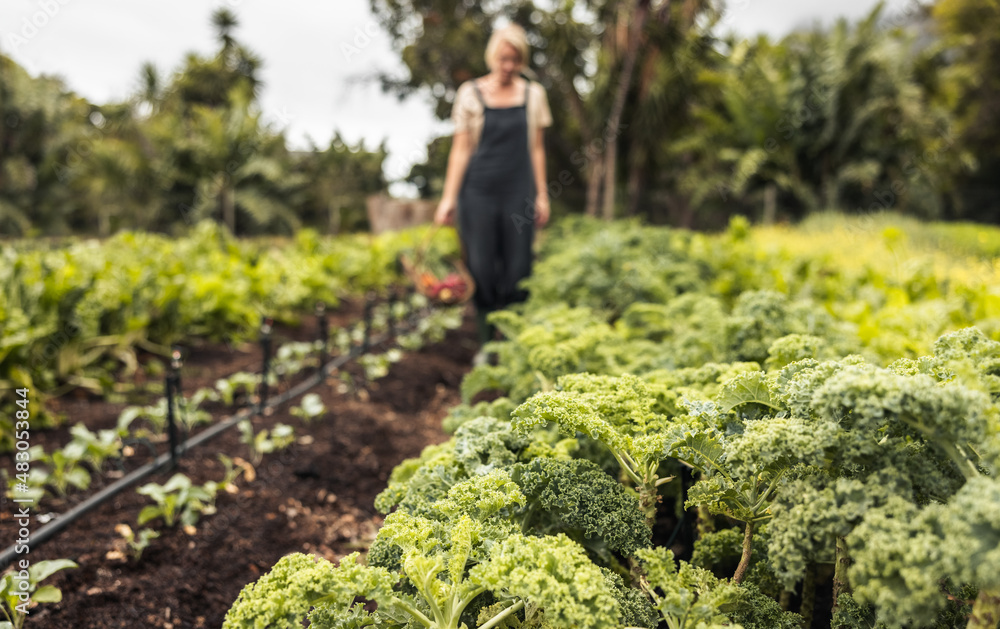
496, 174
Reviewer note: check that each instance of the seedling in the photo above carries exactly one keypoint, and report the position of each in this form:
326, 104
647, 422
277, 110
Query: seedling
292, 358
377, 365
19, 590
265, 442
242, 382
178, 500
312, 407
189, 409
234, 467
97, 447
136, 542
65, 470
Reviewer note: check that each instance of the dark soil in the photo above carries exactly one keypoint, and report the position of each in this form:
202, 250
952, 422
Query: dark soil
315, 497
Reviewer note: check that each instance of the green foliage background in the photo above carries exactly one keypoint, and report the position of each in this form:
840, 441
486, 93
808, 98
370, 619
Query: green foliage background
892, 112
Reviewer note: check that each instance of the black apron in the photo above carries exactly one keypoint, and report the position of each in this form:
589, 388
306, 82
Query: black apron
496, 207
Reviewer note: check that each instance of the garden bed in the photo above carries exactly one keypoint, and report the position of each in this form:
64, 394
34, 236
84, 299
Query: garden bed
314, 497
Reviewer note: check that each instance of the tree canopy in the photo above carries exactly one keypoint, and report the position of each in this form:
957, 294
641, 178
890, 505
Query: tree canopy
656, 112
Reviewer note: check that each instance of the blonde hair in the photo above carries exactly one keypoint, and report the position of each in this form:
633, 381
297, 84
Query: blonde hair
512, 34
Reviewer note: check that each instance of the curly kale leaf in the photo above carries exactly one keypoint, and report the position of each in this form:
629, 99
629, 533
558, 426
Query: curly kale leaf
499, 408
739, 475
757, 610
485, 443
950, 417
718, 547
615, 411
634, 607
482, 497
416, 484
902, 552
796, 347
849, 614
971, 348
689, 597
684, 330
544, 345
297, 583
811, 512
552, 573
356, 617
761, 317
435, 560
576, 496
479, 446
485, 377
770, 445
748, 391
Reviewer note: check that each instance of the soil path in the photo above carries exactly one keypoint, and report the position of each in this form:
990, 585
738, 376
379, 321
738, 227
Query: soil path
315, 497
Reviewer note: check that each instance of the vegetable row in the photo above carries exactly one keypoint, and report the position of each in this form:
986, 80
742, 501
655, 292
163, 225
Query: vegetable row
824, 416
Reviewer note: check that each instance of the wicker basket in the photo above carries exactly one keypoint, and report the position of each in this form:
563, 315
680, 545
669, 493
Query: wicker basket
446, 291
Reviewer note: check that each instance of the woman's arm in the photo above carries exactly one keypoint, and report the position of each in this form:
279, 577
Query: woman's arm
458, 161
538, 166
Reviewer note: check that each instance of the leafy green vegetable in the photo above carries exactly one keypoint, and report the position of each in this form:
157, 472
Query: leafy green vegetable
552, 573
689, 597
178, 500
576, 497
615, 411
311, 408
20, 589
265, 441
902, 552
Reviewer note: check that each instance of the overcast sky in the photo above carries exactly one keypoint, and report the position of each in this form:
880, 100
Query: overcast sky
310, 78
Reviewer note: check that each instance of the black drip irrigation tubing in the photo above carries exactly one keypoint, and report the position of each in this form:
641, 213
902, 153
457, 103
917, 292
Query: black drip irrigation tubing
166, 459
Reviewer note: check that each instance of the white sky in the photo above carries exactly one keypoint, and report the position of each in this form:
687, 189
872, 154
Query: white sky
98, 46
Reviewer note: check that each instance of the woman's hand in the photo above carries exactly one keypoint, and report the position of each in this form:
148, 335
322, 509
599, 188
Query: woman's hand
541, 209
445, 214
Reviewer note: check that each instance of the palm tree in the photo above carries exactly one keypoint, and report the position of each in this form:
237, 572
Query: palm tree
239, 166
150, 91
225, 23
830, 119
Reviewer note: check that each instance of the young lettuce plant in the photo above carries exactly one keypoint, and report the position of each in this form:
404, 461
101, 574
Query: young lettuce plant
311, 408
189, 411
178, 500
291, 358
65, 469
377, 365
241, 383
134, 542
20, 590
266, 441
98, 446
